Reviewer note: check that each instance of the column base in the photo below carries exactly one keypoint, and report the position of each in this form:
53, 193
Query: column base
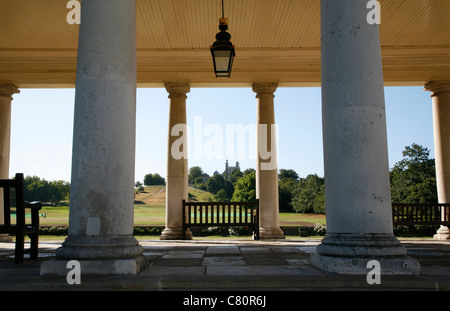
350, 253
443, 233
97, 267
271, 234
175, 234
98, 255
99, 247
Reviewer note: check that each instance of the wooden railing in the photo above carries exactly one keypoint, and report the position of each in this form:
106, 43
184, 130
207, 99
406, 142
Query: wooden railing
421, 214
221, 214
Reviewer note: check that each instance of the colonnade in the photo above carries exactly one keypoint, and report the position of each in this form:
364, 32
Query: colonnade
177, 162
355, 147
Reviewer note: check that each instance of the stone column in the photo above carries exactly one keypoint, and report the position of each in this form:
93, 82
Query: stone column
177, 161
102, 195
441, 126
6, 93
357, 190
266, 164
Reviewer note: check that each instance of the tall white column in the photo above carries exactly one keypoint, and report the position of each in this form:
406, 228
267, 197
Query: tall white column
6, 93
441, 126
358, 201
266, 165
102, 194
177, 162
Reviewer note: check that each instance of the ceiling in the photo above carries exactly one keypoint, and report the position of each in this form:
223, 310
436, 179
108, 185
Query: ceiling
276, 40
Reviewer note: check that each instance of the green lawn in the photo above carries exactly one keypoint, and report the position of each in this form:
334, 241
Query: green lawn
154, 215
54, 215
149, 214
298, 219
149, 210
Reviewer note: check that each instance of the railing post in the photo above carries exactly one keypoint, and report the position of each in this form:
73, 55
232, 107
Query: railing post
7, 205
446, 212
257, 220
183, 226
393, 214
20, 219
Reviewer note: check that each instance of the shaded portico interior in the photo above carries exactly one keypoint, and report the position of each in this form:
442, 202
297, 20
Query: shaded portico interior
278, 44
276, 40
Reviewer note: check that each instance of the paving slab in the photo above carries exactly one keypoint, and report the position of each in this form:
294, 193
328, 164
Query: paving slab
224, 261
230, 265
260, 270
177, 254
255, 249
153, 271
227, 250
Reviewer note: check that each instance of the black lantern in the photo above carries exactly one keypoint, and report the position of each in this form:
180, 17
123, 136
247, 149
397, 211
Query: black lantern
222, 50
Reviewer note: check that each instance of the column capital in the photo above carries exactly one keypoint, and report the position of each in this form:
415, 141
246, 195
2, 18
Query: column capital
177, 88
264, 88
8, 90
437, 87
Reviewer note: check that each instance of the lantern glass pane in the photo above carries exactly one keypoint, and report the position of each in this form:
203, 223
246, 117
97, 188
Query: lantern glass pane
222, 59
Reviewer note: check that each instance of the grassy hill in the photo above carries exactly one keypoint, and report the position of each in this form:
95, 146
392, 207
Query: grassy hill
151, 195
150, 204
157, 195
149, 210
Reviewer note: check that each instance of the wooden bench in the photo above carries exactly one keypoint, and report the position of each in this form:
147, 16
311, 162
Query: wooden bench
221, 214
20, 228
421, 214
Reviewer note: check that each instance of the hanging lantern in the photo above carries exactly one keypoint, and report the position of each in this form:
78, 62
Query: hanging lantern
222, 50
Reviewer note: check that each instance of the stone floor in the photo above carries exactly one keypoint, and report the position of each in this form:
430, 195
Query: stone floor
233, 265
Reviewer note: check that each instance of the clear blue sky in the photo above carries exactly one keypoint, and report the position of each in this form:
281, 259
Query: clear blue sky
42, 127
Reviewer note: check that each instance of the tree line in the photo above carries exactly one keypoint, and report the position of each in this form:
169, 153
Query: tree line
413, 180
50, 192
295, 194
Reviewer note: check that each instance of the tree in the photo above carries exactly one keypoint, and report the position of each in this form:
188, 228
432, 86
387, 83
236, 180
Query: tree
235, 175
222, 196
249, 170
284, 173
218, 182
59, 190
413, 179
37, 189
286, 187
287, 182
52, 192
309, 195
245, 188
153, 180
194, 173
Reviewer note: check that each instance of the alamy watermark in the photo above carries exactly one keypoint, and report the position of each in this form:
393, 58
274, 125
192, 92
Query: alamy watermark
374, 275
213, 141
74, 15
74, 275
374, 15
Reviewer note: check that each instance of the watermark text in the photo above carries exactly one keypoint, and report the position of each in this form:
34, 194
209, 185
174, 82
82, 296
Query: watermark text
374, 275
74, 15
213, 141
74, 275
374, 15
